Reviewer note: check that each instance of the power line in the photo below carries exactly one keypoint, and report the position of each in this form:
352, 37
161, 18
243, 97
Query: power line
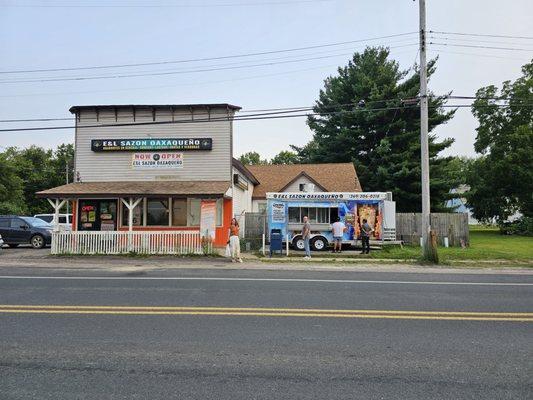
480, 47
194, 5
439, 51
261, 116
301, 108
243, 63
482, 35
207, 58
83, 78
472, 40
194, 83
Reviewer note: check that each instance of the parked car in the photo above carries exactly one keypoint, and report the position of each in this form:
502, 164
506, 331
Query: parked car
65, 220
16, 230
1, 243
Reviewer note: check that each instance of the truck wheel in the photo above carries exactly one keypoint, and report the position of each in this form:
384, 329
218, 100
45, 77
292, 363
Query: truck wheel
319, 243
37, 242
298, 243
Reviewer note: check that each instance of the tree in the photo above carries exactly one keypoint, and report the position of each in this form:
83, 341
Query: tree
11, 188
285, 157
39, 169
501, 179
362, 117
252, 158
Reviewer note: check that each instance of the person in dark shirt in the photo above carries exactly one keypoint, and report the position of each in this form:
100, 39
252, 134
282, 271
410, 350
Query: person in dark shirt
366, 231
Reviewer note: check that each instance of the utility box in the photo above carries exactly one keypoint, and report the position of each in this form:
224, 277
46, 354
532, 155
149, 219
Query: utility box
276, 242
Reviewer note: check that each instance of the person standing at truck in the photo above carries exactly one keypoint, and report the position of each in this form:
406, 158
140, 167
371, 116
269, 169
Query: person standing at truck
366, 231
306, 236
338, 228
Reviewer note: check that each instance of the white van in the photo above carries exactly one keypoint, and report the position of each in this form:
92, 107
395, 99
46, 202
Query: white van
65, 220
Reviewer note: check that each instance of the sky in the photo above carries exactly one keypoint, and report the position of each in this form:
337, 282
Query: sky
80, 33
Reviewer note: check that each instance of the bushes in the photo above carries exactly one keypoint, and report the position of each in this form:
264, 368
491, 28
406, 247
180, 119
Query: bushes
522, 226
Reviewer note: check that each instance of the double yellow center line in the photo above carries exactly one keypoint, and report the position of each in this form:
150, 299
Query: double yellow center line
267, 312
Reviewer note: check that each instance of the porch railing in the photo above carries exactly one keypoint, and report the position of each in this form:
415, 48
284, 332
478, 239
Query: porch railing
118, 242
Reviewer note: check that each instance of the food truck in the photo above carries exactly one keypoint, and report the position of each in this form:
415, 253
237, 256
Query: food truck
286, 212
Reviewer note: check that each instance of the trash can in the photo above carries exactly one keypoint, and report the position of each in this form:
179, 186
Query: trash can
275, 241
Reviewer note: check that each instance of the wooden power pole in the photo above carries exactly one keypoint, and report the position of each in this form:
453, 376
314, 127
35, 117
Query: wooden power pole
429, 250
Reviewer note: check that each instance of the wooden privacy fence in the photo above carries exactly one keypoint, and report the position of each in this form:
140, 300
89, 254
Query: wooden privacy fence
454, 226
116, 242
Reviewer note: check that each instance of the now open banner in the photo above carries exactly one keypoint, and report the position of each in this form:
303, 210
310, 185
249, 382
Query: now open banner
157, 160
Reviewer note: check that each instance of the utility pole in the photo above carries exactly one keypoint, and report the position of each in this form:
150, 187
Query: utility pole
429, 252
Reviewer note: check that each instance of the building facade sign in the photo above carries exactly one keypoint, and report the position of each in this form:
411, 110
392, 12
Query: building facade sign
328, 196
157, 160
159, 144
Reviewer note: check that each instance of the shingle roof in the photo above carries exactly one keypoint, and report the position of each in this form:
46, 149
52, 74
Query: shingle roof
335, 177
136, 188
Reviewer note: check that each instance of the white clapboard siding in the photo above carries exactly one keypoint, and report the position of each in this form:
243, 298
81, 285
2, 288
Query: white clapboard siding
117, 242
209, 165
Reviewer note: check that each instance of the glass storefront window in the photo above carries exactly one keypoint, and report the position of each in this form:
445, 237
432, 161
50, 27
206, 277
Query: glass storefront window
179, 212
193, 212
137, 215
157, 212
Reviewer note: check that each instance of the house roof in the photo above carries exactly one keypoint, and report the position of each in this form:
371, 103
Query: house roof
136, 188
245, 171
75, 109
334, 177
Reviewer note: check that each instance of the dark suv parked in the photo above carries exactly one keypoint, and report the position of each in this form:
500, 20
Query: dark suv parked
17, 230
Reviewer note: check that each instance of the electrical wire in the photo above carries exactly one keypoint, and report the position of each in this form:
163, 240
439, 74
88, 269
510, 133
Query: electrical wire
303, 108
260, 116
81, 78
482, 35
208, 58
480, 47
194, 5
438, 51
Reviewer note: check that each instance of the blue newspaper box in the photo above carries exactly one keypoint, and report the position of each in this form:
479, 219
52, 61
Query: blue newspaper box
275, 241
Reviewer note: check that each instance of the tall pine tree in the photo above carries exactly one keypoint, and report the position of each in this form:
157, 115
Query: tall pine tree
362, 117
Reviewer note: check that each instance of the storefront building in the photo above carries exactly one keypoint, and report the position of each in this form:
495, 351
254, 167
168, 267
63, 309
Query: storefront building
152, 167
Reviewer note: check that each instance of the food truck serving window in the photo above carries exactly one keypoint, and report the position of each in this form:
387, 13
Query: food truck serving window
317, 215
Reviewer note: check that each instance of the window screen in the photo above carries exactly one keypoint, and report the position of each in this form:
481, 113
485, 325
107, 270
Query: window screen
294, 214
322, 215
157, 212
179, 212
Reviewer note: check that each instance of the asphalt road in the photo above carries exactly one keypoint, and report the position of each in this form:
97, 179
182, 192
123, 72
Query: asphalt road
214, 334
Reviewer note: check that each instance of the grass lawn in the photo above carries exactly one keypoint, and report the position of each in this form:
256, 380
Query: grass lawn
485, 244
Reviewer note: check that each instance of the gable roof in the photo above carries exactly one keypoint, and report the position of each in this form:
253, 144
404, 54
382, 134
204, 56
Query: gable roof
245, 171
334, 177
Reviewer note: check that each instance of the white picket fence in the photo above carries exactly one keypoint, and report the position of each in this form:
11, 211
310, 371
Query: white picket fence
117, 242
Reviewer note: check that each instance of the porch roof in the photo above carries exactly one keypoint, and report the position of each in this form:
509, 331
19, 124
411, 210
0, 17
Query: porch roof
136, 188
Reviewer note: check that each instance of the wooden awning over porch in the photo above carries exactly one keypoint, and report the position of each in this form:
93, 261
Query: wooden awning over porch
137, 189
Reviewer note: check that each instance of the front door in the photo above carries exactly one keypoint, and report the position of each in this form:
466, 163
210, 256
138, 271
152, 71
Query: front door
97, 215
